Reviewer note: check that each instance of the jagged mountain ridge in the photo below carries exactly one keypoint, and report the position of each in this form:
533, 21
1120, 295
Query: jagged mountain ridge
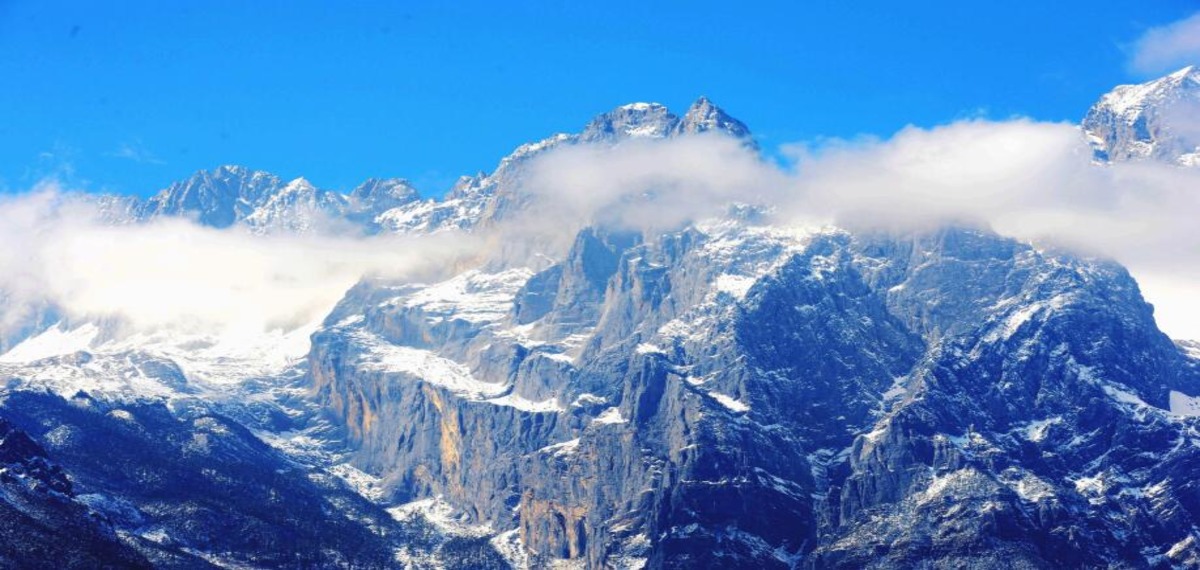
728, 394
235, 195
231, 195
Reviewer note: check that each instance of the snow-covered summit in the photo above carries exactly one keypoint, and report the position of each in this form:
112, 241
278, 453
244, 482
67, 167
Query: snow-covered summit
480, 199
1154, 120
218, 197
654, 120
705, 116
635, 120
236, 195
381, 192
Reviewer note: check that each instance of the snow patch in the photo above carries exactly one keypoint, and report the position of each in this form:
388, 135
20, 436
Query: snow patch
610, 416
365, 484
557, 357
472, 296
1124, 396
1015, 320
1026, 485
424, 365
562, 449
735, 285
1092, 487
440, 514
734, 405
1184, 405
157, 535
1037, 430
508, 544
515, 401
647, 348
896, 390
1181, 547
588, 400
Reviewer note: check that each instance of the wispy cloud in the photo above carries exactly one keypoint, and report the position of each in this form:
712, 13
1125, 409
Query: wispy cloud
136, 152
1167, 47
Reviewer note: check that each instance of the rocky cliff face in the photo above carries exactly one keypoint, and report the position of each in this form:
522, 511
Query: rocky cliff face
792, 398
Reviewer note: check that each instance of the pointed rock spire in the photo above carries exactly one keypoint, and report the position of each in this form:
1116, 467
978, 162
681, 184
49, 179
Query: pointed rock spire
704, 116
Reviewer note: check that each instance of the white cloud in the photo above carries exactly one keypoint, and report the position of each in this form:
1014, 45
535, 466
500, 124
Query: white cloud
969, 171
1167, 47
136, 152
173, 273
1030, 180
648, 183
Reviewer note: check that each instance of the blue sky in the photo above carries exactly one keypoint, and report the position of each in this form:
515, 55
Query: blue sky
129, 96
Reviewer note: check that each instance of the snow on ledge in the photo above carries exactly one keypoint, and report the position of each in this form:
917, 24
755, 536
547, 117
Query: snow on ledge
610, 416
562, 449
382, 356
514, 401
734, 405
647, 348
473, 296
735, 285
1184, 405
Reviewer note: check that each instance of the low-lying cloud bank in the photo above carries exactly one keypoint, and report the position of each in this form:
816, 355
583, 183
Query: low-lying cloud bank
1030, 180
176, 273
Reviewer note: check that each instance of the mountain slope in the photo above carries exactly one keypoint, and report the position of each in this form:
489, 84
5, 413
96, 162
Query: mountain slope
42, 522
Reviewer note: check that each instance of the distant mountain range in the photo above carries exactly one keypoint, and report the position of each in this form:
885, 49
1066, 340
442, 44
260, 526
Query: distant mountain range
728, 394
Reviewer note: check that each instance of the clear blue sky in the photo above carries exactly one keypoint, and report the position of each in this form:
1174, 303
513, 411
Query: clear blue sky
127, 96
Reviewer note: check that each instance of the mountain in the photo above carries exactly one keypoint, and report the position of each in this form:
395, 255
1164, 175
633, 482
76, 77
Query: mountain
218, 198
730, 393
793, 399
1156, 120
262, 202
484, 199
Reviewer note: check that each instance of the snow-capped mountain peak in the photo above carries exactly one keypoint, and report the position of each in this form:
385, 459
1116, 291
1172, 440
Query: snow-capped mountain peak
654, 120
380, 191
705, 116
634, 120
219, 197
1131, 98
1152, 120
